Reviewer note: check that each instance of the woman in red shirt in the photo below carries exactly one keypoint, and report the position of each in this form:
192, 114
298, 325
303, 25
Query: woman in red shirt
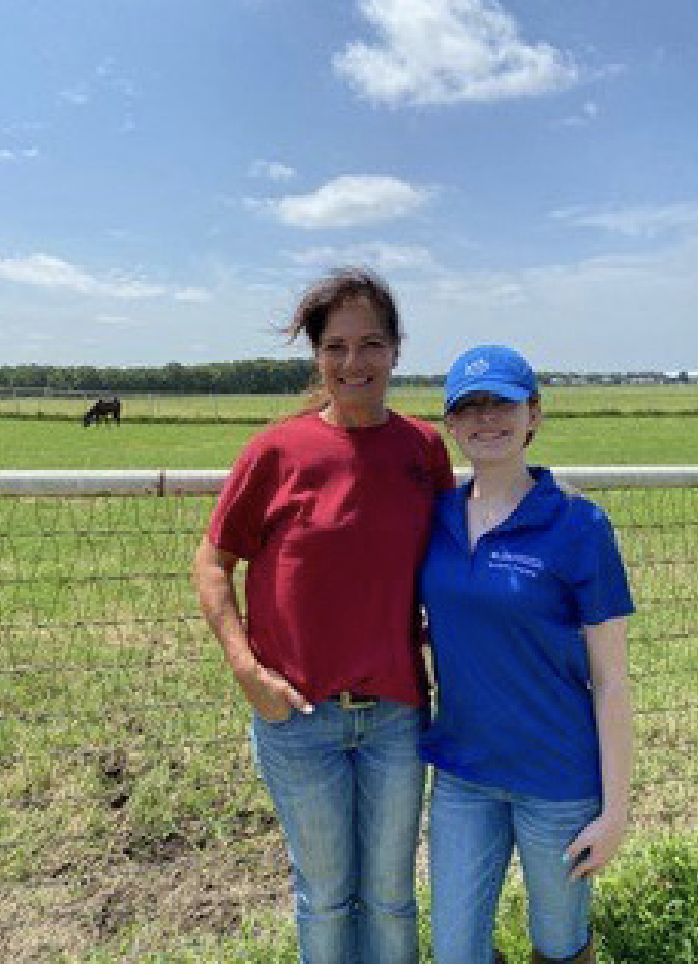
331, 511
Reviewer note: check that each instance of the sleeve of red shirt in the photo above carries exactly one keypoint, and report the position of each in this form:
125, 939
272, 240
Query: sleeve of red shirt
441, 465
237, 521
442, 472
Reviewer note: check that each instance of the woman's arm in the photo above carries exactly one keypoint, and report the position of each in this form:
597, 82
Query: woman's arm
270, 694
609, 676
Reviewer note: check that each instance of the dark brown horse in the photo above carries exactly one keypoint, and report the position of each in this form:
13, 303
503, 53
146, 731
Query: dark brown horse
102, 410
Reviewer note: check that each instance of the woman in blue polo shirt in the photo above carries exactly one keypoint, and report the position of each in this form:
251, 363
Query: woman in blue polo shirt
526, 599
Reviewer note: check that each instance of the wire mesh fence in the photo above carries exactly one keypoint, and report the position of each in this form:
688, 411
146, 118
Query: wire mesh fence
127, 788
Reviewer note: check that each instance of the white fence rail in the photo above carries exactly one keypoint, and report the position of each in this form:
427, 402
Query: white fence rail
164, 482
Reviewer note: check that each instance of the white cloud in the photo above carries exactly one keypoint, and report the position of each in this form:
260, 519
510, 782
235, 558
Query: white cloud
25, 127
198, 296
490, 290
380, 256
108, 72
273, 170
23, 154
45, 271
619, 311
106, 67
588, 112
347, 202
117, 321
641, 221
78, 97
448, 51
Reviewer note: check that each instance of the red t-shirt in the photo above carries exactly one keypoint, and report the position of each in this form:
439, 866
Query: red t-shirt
333, 523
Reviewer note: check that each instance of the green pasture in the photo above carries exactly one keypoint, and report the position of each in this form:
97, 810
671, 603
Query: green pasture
580, 400
132, 826
664, 440
648, 429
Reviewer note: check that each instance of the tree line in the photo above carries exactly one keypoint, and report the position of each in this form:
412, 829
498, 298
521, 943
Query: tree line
256, 376
259, 376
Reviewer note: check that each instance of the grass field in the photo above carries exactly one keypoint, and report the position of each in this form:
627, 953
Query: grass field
424, 402
131, 823
644, 438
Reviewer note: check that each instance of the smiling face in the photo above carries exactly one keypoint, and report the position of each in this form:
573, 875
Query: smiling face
490, 429
355, 356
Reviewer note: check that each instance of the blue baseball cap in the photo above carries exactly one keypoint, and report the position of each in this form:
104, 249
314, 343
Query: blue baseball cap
490, 368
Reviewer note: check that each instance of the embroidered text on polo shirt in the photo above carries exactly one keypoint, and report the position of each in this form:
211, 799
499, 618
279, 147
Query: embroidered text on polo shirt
516, 562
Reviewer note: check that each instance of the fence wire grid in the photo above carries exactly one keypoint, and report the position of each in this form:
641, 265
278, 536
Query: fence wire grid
127, 788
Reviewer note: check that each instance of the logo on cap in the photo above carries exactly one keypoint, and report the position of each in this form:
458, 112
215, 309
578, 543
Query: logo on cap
475, 368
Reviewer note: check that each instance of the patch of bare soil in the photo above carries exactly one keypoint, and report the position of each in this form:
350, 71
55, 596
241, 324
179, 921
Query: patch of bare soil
162, 888
169, 886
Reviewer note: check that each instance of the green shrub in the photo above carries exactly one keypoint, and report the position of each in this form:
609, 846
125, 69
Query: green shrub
646, 906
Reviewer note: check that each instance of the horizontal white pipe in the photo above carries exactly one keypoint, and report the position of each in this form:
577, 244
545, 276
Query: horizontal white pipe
92, 482
194, 481
591, 477
40, 482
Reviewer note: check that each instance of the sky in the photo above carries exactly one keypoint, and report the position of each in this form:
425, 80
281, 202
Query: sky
174, 173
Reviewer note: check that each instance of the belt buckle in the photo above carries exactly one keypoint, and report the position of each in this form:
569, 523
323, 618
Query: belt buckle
348, 701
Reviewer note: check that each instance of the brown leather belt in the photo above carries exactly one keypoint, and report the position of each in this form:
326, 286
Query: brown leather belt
354, 701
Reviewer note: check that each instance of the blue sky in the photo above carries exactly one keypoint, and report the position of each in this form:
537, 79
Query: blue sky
174, 172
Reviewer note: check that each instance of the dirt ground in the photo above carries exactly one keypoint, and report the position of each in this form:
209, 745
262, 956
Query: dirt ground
170, 891
173, 892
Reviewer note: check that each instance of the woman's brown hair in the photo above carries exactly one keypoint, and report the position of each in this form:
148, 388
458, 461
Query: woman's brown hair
327, 294
533, 401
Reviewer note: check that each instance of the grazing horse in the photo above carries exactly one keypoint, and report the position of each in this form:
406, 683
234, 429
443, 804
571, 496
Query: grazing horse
101, 410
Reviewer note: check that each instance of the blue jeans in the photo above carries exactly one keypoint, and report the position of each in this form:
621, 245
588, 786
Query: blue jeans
348, 787
473, 830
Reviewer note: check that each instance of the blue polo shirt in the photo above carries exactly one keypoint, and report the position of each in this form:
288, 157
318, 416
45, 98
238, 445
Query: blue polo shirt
515, 707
